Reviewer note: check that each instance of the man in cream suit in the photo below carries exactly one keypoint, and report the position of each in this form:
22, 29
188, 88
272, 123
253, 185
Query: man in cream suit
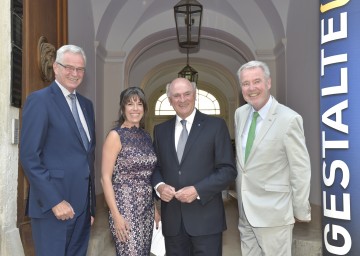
273, 183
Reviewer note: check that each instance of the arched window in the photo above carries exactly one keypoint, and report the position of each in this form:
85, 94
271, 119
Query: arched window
205, 102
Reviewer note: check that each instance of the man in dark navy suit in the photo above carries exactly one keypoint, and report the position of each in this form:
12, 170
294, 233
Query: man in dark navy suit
57, 154
190, 186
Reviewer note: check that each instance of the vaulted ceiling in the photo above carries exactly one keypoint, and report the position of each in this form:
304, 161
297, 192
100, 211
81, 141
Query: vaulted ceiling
143, 31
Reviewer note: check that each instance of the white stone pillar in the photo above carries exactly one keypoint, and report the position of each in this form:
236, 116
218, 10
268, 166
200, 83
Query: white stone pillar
109, 84
10, 242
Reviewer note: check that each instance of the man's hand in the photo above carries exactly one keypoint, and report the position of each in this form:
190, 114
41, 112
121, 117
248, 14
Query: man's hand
166, 192
186, 194
302, 221
63, 211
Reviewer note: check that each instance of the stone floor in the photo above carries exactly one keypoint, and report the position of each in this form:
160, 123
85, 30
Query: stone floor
307, 236
101, 242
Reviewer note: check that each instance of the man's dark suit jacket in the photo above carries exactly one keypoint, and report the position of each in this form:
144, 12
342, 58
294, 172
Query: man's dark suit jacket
52, 154
207, 163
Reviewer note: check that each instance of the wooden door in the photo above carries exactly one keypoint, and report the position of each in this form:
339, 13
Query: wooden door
44, 31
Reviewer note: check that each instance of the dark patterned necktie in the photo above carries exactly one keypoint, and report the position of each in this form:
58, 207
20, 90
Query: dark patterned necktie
79, 125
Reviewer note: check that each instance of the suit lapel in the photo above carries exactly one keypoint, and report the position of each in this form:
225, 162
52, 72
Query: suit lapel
196, 129
171, 130
245, 112
267, 123
86, 116
61, 102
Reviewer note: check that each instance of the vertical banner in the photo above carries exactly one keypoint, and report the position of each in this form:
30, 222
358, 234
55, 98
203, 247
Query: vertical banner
340, 125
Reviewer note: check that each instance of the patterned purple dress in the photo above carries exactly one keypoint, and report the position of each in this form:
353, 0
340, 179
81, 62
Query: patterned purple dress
133, 190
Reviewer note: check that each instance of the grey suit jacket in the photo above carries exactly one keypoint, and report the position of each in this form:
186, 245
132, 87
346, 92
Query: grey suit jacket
274, 184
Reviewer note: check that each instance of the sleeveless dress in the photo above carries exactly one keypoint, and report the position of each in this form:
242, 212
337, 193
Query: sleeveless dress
133, 191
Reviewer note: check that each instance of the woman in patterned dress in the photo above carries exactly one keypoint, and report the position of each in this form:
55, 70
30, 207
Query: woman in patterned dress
128, 160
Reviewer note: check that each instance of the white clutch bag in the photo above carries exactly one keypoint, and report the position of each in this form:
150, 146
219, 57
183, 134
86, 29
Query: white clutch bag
158, 242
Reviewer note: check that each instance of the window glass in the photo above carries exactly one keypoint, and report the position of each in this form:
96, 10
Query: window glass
205, 102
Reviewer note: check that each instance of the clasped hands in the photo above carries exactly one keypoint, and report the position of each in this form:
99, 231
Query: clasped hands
184, 195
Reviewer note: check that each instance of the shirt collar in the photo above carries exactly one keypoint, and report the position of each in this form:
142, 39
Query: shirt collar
64, 90
189, 119
265, 109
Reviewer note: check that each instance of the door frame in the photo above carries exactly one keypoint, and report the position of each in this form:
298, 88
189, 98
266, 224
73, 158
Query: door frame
32, 80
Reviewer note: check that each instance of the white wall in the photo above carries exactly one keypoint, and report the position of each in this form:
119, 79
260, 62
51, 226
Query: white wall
303, 91
109, 87
81, 33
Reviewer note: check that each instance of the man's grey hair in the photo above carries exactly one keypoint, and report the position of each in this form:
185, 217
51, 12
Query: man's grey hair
254, 64
69, 48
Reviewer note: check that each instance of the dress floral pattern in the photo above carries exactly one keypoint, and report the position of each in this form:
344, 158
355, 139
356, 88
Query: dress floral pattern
133, 191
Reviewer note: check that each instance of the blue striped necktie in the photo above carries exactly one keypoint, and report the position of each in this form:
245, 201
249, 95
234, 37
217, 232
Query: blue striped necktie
79, 125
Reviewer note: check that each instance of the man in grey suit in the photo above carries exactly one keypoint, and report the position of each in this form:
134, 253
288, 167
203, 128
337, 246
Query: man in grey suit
190, 187
273, 183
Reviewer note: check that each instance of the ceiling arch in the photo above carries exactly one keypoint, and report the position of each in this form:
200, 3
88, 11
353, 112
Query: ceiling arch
122, 23
232, 33
148, 63
229, 49
107, 18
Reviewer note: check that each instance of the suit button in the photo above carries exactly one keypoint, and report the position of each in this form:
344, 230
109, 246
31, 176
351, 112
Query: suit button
179, 172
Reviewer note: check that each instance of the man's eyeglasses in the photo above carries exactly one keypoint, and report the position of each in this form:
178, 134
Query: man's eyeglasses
71, 69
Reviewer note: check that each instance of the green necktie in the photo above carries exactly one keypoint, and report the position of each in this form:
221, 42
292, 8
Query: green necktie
251, 135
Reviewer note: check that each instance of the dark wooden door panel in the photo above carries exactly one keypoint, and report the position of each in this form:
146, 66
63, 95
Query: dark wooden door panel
44, 27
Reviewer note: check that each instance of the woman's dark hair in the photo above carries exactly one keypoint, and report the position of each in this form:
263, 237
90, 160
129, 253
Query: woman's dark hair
125, 97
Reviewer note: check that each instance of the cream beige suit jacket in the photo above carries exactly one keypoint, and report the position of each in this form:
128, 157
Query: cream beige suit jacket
274, 184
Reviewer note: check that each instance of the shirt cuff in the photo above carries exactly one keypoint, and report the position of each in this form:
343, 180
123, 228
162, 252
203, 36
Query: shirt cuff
157, 185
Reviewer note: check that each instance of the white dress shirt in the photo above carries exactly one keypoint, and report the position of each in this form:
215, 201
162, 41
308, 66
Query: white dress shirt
81, 114
179, 127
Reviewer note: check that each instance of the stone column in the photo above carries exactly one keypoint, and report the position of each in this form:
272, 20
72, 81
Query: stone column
10, 242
